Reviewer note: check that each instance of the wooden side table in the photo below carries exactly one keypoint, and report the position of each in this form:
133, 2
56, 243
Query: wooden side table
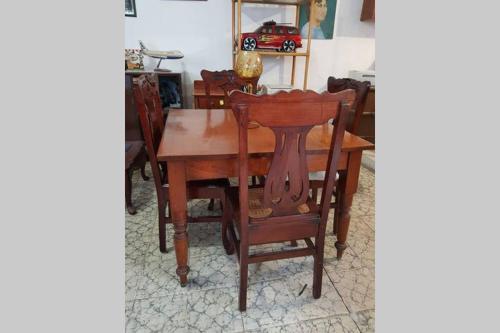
202, 101
135, 158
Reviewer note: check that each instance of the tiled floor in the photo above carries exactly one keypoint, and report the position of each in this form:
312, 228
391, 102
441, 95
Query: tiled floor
155, 302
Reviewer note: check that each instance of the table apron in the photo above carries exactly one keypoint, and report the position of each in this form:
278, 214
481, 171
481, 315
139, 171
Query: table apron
257, 166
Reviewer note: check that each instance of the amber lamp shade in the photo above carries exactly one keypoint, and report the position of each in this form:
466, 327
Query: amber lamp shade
248, 66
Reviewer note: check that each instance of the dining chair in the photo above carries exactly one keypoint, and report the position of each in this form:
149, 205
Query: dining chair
149, 108
227, 81
282, 209
135, 159
361, 88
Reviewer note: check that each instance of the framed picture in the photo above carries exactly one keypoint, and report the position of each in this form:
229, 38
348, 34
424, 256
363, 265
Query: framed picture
322, 19
133, 59
130, 8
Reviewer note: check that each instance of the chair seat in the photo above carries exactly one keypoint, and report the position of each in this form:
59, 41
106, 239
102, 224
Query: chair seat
132, 151
256, 210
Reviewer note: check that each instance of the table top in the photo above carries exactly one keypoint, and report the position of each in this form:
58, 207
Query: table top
206, 134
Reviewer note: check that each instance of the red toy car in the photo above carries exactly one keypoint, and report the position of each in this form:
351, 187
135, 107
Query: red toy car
272, 36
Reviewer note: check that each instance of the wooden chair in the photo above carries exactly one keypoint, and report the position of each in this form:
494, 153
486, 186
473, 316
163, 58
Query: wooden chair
150, 114
135, 159
353, 120
227, 80
282, 210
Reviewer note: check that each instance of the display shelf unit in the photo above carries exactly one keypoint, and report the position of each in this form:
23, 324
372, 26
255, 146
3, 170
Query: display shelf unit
236, 33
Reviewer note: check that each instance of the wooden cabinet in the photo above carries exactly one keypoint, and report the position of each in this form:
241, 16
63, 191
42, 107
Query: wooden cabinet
201, 101
367, 123
368, 10
171, 95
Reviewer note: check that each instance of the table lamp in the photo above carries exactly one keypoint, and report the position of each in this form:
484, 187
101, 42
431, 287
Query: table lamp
249, 67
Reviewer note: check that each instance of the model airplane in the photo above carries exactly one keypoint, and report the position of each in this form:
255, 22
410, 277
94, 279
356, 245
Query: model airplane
161, 55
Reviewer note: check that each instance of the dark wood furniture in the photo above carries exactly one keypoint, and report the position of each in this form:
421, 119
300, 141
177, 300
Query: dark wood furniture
135, 159
353, 126
366, 128
210, 151
361, 88
212, 92
282, 210
133, 129
225, 81
368, 10
203, 101
150, 112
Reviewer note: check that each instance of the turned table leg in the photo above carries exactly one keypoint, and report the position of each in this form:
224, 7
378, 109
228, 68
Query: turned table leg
347, 189
178, 212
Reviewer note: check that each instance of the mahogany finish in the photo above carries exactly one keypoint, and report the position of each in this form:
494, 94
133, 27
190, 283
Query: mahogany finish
227, 81
361, 88
335, 85
150, 113
210, 151
289, 212
202, 101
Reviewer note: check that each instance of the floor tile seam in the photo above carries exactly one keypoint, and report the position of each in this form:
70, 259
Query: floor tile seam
355, 313
338, 292
334, 316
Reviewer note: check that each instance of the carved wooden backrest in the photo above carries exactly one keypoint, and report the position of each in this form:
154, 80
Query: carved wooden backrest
227, 80
290, 115
149, 107
361, 88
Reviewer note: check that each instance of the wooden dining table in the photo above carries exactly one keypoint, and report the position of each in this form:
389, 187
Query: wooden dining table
203, 144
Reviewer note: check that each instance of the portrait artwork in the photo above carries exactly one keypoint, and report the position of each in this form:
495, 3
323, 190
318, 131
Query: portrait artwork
322, 19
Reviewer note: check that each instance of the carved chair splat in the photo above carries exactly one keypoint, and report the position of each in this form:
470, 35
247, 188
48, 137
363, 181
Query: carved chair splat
282, 210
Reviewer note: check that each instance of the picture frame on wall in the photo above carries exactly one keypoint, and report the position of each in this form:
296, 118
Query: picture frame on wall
130, 8
322, 19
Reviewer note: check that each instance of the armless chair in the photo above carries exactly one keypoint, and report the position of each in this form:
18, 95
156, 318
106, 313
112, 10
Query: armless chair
149, 108
227, 80
361, 88
282, 209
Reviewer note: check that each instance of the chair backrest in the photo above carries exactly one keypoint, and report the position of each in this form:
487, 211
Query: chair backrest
290, 115
335, 85
227, 80
149, 107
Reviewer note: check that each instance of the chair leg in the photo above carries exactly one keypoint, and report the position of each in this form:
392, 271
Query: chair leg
226, 216
128, 194
143, 171
318, 271
243, 278
211, 205
338, 204
162, 227
315, 195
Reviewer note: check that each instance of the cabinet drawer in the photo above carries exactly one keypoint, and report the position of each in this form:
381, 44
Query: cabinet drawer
211, 102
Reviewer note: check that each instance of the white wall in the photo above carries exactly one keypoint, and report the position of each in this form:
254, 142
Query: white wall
202, 31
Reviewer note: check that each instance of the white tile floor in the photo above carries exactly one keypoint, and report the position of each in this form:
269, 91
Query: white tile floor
155, 302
